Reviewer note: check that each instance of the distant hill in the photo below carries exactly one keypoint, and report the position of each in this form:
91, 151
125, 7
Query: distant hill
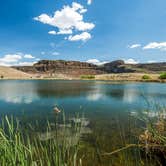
76, 68
52, 67
7, 72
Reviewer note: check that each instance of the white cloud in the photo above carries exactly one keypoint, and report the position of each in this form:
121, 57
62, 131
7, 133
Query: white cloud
83, 37
156, 45
67, 20
151, 61
131, 61
135, 46
29, 56
15, 59
52, 33
9, 59
96, 62
89, 2
25, 63
65, 32
55, 53
61, 32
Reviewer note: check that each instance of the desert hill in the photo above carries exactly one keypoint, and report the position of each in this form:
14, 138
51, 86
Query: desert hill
10, 73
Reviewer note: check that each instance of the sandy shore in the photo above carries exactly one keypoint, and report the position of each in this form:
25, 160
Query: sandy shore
130, 77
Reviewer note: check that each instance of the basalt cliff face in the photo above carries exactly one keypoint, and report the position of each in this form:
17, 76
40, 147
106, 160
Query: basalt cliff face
50, 67
76, 68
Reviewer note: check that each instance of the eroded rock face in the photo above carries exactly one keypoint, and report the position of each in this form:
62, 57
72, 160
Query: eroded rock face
51, 67
76, 68
45, 65
116, 67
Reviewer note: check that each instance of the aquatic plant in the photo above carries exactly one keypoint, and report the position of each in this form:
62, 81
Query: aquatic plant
18, 147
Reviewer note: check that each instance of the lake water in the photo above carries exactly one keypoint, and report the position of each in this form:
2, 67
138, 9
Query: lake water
105, 104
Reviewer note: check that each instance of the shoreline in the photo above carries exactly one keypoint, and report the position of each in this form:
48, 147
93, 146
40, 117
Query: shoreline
120, 77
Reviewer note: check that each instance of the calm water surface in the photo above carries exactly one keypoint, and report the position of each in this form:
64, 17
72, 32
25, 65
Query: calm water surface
37, 98
103, 103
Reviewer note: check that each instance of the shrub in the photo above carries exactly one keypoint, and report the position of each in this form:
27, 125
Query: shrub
146, 77
2, 76
87, 77
162, 76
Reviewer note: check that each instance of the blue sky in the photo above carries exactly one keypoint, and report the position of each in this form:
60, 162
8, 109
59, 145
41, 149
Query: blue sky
86, 30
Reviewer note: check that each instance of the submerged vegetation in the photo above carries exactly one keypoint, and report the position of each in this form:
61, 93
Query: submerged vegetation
143, 142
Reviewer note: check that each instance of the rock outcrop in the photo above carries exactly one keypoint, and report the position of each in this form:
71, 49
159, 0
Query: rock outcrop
117, 66
75, 68
51, 67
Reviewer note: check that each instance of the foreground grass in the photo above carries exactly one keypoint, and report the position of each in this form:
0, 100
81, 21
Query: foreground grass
18, 148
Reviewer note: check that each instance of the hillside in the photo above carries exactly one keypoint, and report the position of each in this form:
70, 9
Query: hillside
10, 73
51, 68
54, 67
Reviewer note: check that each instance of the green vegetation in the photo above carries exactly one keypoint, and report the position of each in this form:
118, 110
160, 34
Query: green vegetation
163, 76
88, 77
19, 148
146, 77
132, 146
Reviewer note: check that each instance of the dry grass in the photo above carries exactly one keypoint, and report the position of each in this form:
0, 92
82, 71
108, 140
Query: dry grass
128, 77
10, 73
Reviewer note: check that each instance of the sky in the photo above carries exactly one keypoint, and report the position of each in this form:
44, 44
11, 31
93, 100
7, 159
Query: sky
93, 31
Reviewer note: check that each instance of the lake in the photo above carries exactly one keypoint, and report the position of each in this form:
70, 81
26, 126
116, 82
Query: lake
106, 105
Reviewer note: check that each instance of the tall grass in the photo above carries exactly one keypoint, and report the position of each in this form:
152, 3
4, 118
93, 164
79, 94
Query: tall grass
20, 148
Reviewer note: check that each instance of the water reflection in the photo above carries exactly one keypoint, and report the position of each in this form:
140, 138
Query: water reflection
18, 92
78, 93
70, 133
96, 93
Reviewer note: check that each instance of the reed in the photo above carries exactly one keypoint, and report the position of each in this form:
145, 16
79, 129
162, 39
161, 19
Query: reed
19, 148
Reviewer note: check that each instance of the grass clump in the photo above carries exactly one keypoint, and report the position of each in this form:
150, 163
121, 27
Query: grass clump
87, 77
146, 77
162, 76
19, 148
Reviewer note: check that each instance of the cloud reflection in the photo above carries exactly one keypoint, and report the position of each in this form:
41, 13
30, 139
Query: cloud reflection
18, 92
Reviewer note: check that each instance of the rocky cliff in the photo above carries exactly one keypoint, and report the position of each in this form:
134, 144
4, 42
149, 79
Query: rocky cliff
76, 68
51, 67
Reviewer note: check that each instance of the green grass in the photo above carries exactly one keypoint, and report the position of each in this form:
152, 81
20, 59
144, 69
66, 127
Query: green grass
162, 76
87, 77
19, 148
146, 77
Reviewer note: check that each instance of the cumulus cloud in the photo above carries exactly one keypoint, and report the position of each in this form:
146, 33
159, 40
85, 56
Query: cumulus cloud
29, 56
96, 62
55, 53
52, 33
135, 46
15, 59
156, 45
131, 61
67, 20
89, 2
83, 37
25, 63
61, 32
